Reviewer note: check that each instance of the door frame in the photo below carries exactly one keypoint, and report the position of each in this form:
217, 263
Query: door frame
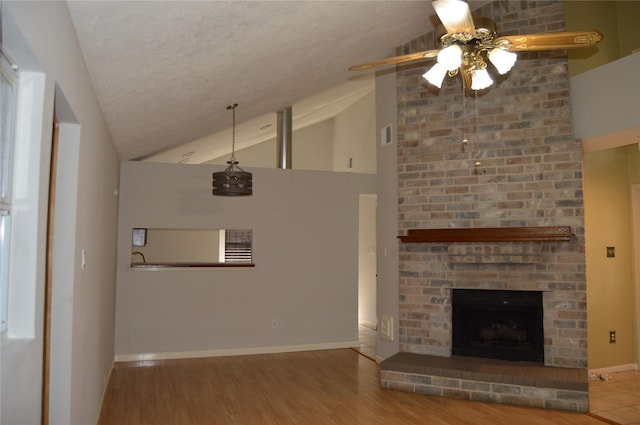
48, 283
635, 227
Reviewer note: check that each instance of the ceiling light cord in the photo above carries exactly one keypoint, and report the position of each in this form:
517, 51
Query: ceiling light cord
233, 107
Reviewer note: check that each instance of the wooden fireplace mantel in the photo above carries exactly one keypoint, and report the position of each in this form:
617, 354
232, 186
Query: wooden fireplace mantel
490, 234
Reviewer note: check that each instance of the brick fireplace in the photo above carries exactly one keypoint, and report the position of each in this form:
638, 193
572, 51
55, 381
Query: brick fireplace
530, 175
431, 271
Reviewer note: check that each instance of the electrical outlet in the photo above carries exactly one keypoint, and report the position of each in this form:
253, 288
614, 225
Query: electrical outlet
274, 323
612, 337
611, 252
386, 327
385, 135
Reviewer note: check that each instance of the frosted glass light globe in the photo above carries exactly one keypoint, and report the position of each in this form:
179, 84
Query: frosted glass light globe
436, 75
502, 60
481, 80
450, 57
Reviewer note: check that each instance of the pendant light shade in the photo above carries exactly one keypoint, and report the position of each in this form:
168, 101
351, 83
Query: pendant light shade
233, 181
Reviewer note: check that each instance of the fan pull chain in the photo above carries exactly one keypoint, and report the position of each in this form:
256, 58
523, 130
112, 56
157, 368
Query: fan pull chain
465, 140
477, 162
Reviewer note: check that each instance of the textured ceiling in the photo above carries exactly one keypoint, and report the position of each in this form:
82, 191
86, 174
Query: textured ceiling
164, 71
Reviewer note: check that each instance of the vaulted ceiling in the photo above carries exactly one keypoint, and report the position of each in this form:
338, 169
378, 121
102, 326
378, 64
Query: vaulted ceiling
164, 71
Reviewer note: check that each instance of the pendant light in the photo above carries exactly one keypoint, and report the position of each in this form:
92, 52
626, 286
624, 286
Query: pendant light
233, 181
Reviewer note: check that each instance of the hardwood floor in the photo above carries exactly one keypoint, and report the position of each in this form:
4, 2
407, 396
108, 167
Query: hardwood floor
331, 387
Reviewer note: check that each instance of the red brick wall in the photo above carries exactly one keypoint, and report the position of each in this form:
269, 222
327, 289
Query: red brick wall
530, 175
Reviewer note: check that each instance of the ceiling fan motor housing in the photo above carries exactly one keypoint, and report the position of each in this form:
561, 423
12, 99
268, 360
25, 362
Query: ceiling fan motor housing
485, 33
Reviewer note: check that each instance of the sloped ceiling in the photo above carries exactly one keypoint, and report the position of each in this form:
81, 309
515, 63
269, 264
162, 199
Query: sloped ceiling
165, 71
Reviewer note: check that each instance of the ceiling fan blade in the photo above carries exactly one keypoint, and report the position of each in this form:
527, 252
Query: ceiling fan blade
455, 15
396, 60
549, 41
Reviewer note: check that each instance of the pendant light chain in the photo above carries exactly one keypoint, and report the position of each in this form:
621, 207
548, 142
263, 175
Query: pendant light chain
233, 107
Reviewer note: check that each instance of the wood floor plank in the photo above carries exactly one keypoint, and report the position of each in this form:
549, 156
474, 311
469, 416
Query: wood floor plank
332, 387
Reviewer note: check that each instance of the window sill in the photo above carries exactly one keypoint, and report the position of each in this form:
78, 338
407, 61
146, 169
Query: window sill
164, 266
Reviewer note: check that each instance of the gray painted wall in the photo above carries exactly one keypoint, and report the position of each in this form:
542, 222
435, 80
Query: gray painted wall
387, 212
40, 37
305, 239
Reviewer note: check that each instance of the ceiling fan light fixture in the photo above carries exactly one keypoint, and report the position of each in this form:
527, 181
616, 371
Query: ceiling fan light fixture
450, 57
480, 79
467, 43
502, 59
435, 75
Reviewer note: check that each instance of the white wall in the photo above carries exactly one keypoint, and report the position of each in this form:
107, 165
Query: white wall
327, 145
387, 212
312, 149
305, 240
39, 36
605, 104
354, 137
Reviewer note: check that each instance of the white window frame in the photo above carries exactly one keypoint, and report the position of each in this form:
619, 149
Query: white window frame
8, 108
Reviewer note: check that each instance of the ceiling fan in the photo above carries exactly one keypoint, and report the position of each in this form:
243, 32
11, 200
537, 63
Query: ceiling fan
469, 41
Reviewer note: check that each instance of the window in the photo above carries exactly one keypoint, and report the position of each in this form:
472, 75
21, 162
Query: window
237, 245
175, 247
8, 89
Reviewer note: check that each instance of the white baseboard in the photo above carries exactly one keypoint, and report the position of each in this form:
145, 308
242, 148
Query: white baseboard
594, 373
136, 357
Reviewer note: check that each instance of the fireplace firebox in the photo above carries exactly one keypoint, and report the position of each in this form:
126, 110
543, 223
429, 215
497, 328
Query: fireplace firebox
498, 324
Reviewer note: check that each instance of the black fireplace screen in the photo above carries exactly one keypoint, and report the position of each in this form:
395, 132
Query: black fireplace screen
498, 324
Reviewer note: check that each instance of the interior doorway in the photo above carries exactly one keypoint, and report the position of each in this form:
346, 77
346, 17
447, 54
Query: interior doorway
61, 265
46, 366
367, 287
635, 214
367, 275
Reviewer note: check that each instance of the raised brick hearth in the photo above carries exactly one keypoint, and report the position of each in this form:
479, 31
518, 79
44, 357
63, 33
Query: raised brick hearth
530, 175
520, 383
